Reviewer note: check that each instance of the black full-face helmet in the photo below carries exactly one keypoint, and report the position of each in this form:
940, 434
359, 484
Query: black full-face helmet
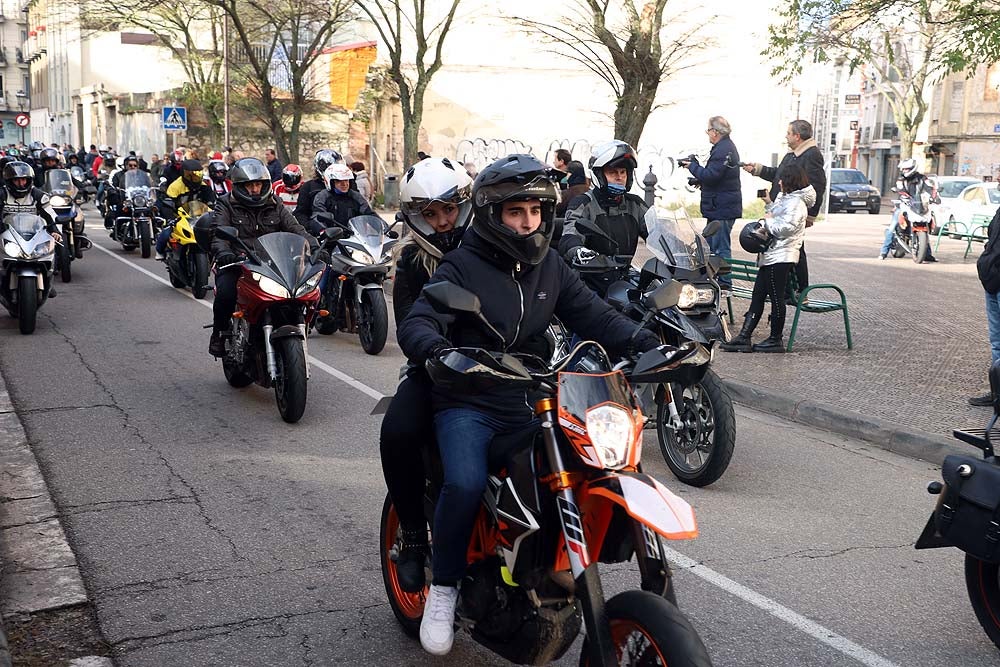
517, 177
246, 171
49, 158
18, 171
324, 159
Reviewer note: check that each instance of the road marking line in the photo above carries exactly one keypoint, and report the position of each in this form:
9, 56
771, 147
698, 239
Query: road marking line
316, 363
796, 620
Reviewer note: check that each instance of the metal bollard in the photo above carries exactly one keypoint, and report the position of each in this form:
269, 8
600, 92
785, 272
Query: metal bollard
649, 186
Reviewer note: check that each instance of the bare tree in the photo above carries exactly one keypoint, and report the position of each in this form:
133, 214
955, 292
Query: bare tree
902, 48
411, 38
627, 47
276, 44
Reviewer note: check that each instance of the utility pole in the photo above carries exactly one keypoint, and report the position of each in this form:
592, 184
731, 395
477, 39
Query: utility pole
225, 81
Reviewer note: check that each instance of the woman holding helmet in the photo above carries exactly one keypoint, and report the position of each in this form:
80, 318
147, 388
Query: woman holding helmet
436, 207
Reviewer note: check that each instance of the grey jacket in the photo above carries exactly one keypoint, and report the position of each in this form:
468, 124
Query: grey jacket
786, 220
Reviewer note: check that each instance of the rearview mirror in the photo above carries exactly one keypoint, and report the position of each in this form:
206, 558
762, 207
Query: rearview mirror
447, 297
711, 228
392, 234
667, 295
334, 233
227, 233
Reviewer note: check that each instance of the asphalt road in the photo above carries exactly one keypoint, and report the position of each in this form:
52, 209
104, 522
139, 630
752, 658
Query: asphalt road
209, 532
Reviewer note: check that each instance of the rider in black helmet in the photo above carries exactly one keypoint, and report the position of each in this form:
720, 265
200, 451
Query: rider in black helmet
307, 192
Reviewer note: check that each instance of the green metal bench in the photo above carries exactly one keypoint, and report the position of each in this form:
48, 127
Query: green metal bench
973, 231
745, 273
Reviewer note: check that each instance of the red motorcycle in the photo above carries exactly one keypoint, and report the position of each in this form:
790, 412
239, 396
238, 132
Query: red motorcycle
276, 298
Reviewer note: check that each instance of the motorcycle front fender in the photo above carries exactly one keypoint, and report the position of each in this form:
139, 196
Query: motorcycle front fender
29, 273
645, 500
359, 288
286, 331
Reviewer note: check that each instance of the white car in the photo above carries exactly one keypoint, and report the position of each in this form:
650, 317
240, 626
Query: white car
949, 189
980, 199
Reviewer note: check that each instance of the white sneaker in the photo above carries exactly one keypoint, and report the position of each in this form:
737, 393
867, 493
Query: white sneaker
881, 256
437, 629
160, 257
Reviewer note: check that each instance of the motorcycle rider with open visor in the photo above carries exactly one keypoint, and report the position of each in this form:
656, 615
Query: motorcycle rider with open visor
436, 205
21, 196
338, 199
521, 283
254, 211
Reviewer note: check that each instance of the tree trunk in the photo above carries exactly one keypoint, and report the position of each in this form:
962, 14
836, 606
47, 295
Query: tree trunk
906, 139
413, 113
632, 111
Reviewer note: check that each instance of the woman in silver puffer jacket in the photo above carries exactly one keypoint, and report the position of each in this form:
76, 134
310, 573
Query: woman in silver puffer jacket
786, 224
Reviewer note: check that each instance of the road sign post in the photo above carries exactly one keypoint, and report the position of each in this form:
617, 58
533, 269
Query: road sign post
174, 121
22, 120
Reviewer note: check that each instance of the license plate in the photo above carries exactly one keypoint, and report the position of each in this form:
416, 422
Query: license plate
857, 203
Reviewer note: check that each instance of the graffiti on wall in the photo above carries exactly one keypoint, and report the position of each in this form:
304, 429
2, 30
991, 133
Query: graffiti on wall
482, 152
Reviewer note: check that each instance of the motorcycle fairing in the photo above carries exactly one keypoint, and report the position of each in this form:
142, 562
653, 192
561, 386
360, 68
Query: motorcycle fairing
645, 500
678, 320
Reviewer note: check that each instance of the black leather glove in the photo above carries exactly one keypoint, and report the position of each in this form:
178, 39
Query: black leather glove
322, 256
225, 258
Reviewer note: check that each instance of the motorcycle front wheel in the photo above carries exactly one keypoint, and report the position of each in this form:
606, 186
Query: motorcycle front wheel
407, 607
920, 245
27, 304
200, 286
65, 262
701, 450
290, 385
648, 630
373, 327
982, 580
145, 240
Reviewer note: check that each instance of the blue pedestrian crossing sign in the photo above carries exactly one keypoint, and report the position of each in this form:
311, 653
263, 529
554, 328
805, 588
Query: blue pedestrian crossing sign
175, 118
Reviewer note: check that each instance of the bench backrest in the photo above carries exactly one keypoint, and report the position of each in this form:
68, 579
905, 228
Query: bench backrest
746, 271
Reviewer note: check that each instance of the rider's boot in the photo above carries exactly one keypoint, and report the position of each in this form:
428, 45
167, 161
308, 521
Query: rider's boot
216, 346
411, 560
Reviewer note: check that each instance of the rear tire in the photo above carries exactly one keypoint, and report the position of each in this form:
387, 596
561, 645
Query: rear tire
234, 376
982, 580
407, 607
27, 304
65, 263
290, 387
145, 240
920, 246
374, 325
200, 287
652, 631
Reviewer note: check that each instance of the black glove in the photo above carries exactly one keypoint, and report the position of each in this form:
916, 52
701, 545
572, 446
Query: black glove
225, 258
322, 256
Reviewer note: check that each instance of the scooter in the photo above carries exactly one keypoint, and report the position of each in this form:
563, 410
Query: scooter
27, 260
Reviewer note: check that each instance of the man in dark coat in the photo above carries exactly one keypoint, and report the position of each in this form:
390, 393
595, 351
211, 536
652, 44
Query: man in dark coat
274, 165
803, 151
721, 196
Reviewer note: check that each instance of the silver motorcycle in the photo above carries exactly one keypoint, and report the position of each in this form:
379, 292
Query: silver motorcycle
27, 260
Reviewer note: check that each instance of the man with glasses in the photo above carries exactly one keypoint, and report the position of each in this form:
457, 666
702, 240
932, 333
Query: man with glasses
721, 197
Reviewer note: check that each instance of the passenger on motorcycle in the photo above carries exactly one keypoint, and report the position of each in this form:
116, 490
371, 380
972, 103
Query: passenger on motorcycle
506, 261
435, 200
338, 199
287, 189
915, 184
190, 186
609, 206
307, 193
217, 172
20, 196
254, 211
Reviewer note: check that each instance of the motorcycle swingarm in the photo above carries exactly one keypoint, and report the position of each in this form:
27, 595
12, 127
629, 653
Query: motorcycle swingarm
645, 500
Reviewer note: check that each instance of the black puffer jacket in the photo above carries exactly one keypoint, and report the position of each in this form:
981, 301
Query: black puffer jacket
304, 204
343, 207
410, 278
519, 301
252, 223
809, 157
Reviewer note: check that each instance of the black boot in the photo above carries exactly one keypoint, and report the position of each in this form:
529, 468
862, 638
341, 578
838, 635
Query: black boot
411, 560
216, 346
771, 344
741, 342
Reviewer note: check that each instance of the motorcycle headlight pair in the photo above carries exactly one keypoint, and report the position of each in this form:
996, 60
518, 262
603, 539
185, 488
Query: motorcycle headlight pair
309, 285
695, 296
269, 286
611, 431
12, 249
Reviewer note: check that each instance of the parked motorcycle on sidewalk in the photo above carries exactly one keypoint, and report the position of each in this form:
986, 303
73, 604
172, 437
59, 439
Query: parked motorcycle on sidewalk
967, 515
694, 418
276, 298
353, 292
65, 197
187, 262
914, 227
135, 225
27, 261
565, 494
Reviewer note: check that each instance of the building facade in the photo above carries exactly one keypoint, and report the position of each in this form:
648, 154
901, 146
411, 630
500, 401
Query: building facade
964, 132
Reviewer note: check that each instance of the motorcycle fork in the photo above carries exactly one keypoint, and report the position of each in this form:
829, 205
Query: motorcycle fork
675, 417
272, 365
654, 570
588, 582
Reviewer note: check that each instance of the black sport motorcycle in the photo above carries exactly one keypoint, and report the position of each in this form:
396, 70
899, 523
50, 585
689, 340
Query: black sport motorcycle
967, 515
694, 419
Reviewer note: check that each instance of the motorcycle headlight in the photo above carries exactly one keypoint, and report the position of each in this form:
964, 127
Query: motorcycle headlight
11, 249
611, 430
360, 256
58, 201
270, 286
43, 249
309, 285
695, 296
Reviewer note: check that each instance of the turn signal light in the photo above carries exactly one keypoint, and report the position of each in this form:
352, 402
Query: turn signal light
342, 278
323, 313
238, 314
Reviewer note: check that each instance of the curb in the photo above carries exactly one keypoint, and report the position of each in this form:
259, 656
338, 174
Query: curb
879, 432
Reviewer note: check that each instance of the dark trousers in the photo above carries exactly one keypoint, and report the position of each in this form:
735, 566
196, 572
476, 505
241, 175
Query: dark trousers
802, 269
772, 280
225, 298
406, 426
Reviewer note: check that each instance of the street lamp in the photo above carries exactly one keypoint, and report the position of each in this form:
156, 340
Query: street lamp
22, 97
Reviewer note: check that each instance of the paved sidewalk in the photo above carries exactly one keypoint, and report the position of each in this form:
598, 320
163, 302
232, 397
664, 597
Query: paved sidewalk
920, 340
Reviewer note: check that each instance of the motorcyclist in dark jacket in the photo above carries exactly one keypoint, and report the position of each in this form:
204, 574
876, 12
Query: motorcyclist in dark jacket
610, 207
304, 206
48, 158
521, 284
916, 185
338, 199
20, 196
254, 211
436, 205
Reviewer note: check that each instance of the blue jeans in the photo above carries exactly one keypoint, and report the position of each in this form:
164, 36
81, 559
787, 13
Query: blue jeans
887, 243
464, 436
993, 323
721, 244
163, 238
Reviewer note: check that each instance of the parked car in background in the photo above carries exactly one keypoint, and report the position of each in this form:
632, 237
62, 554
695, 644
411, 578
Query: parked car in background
949, 188
978, 199
851, 191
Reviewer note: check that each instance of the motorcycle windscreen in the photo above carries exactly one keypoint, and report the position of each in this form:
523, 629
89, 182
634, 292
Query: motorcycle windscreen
287, 256
25, 224
674, 242
136, 178
368, 229
195, 208
600, 418
59, 182
579, 393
